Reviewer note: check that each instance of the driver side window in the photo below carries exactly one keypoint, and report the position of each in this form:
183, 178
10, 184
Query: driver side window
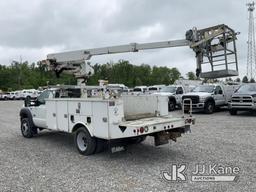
45, 95
218, 90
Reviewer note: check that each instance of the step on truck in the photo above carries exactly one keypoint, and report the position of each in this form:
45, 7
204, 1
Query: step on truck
98, 122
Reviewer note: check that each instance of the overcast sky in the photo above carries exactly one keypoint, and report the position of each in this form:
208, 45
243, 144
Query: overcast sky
32, 29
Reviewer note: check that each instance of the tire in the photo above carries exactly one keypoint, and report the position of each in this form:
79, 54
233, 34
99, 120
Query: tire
209, 107
27, 130
85, 144
171, 105
233, 112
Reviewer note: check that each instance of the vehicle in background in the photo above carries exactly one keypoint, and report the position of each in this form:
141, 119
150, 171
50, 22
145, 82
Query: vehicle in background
155, 88
174, 93
118, 87
244, 99
140, 89
5, 96
29, 93
208, 97
12, 95
188, 85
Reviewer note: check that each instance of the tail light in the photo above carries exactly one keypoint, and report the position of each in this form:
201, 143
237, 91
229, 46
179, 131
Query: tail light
142, 130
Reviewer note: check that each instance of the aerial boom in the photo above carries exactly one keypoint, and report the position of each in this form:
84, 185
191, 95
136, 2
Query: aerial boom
211, 46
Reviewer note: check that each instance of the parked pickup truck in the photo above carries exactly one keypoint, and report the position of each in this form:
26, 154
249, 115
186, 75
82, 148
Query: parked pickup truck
208, 97
174, 94
98, 121
244, 99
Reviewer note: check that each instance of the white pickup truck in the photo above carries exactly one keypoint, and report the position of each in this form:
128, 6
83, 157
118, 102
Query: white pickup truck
208, 97
174, 94
98, 121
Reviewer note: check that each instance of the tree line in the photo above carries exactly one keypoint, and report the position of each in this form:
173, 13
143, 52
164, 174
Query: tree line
19, 76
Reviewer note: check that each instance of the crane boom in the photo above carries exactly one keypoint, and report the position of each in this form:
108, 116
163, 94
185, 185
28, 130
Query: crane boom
81, 55
211, 46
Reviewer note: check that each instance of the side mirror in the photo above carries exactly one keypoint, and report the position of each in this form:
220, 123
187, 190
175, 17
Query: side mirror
220, 92
215, 93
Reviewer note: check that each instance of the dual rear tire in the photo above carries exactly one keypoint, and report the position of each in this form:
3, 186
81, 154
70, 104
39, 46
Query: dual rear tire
86, 144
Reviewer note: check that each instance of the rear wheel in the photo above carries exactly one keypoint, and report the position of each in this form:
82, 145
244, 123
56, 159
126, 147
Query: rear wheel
85, 144
27, 129
209, 107
233, 112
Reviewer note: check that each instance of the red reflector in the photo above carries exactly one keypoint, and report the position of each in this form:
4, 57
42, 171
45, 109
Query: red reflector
141, 130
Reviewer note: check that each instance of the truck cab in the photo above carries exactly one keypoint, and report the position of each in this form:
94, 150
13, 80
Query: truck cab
244, 99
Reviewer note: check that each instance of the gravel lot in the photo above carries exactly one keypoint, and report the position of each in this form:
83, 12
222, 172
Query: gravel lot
50, 162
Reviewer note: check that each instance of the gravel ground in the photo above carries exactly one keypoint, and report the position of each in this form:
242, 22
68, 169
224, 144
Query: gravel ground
50, 162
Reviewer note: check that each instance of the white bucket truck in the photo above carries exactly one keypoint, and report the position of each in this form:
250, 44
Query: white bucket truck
95, 121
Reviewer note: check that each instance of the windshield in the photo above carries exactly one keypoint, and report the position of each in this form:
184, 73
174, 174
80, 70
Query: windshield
204, 88
168, 89
247, 88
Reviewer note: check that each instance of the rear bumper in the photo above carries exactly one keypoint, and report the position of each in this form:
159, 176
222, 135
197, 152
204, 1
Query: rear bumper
151, 126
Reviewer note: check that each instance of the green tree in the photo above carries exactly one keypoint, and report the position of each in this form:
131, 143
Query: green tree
245, 79
191, 75
238, 80
252, 80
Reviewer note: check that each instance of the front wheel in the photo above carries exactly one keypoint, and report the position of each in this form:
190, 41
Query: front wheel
209, 107
85, 144
27, 129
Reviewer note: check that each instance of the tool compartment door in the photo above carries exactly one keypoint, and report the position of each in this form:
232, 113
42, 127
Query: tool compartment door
62, 116
100, 119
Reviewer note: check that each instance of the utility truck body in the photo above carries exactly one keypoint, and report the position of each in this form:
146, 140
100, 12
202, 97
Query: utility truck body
105, 119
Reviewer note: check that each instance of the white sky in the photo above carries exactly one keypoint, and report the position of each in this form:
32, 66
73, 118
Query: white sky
32, 29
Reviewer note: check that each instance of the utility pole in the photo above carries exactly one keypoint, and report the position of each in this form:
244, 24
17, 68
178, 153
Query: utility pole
251, 54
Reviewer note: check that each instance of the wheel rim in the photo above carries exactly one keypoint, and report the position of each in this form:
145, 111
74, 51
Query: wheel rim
81, 141
24, 128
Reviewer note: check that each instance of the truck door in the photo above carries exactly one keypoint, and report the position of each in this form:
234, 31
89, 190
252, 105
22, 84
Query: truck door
39, 111
219, 96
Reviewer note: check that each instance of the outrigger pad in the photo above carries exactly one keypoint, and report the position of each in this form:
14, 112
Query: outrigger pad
219, 74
